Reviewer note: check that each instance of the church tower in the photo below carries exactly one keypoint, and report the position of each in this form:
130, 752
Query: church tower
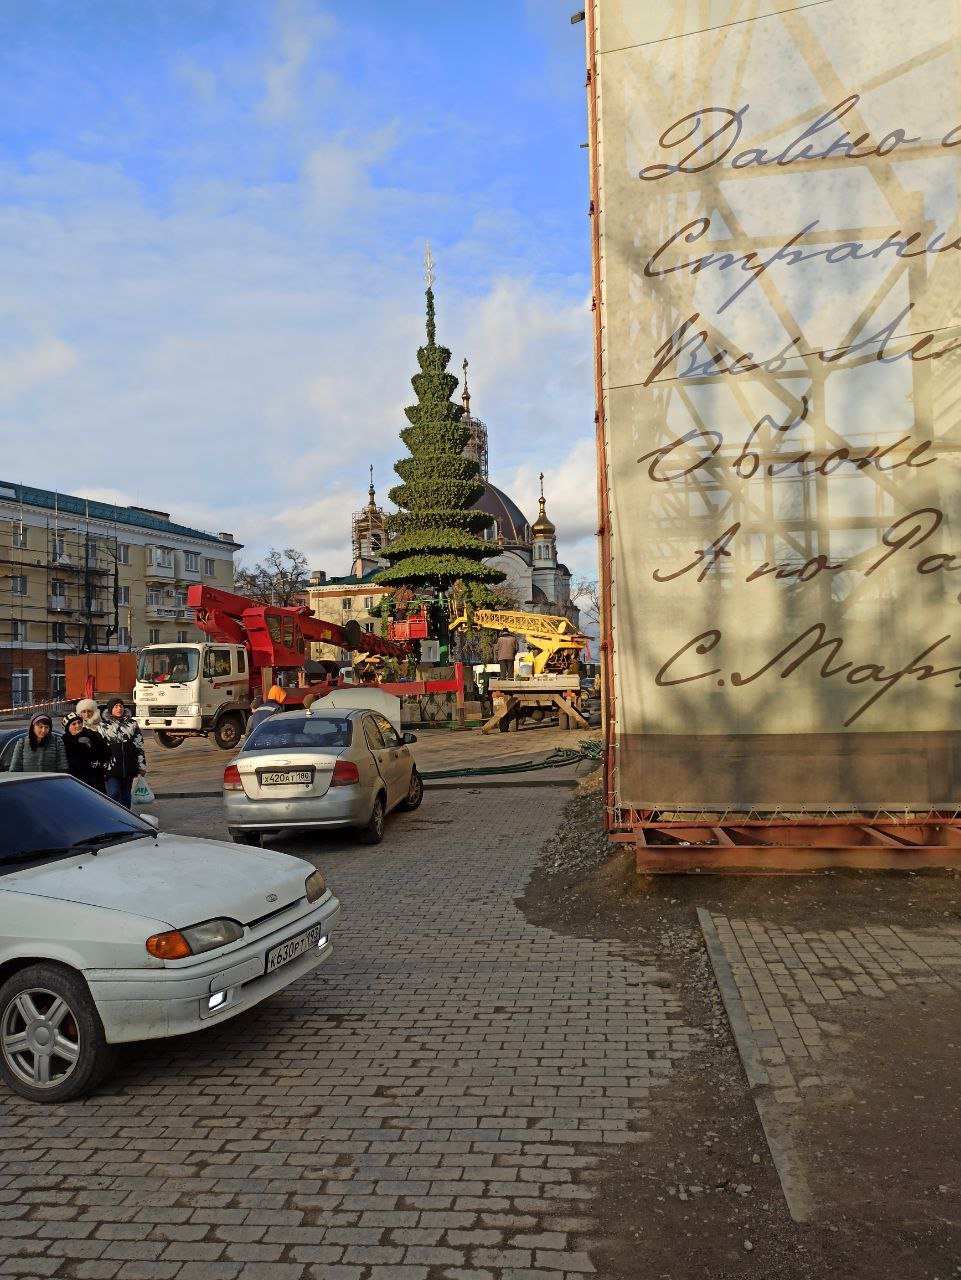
368, 534
476, 446
544, 537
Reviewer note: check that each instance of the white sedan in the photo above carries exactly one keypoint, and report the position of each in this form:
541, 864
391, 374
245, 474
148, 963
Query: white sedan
111, 932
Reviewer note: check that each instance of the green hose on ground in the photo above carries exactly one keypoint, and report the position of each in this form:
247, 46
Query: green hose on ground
587, 749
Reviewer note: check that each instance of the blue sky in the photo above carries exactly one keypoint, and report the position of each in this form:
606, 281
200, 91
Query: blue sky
212, 229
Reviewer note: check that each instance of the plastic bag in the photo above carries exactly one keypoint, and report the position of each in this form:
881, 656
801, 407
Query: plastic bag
141, 793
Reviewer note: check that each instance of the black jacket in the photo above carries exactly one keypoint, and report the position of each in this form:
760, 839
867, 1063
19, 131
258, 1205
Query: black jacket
88, 757
126, 745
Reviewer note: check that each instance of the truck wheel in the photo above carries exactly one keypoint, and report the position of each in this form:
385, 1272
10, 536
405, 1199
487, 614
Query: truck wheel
52, 1045
229, 731
168, 740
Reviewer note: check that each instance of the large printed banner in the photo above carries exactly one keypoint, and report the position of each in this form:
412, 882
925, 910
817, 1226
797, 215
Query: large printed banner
780, 251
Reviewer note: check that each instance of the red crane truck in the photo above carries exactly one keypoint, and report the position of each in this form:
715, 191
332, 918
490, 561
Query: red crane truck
205, 688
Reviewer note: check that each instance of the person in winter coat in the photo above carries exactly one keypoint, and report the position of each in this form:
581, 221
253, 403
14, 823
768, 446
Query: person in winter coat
505, 651
126, 744
88, 752
41, 751
276, 697
89, 713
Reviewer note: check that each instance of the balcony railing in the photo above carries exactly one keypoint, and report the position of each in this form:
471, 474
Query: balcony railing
163, 611
59, 604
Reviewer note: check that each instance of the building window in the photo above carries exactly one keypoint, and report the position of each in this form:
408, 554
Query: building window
18, 630
181, 599
346, 603
160, 557
19, 535
123, 595
123, 553
208, 568
91, 550
368, 626
191, 561
56, 548
123, 637
58, 587
153, 635
18, 584
368, 603
59, 633
58, 685
21, 687
154, 595
181, 637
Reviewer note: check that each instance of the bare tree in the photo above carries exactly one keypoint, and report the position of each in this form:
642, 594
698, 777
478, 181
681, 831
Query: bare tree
585, 593
279, 578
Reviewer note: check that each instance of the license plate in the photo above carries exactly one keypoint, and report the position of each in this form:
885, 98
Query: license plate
293, 947
286, 777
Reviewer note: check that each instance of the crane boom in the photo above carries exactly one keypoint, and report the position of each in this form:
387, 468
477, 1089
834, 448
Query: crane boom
552, 638
277, 635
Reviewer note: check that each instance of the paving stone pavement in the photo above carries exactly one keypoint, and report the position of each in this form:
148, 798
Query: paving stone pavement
787, 984
435, 1103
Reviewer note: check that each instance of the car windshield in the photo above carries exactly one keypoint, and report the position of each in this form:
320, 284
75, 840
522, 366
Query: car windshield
43, 817
168, 666
324, 733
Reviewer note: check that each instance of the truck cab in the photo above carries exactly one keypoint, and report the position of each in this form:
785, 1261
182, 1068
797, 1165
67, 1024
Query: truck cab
192, 691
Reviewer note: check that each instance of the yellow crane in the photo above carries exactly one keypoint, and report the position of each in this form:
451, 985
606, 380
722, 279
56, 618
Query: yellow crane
553, 641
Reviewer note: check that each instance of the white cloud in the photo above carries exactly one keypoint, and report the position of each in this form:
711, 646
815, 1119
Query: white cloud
300, 30
201, 81
236, 327
31, 366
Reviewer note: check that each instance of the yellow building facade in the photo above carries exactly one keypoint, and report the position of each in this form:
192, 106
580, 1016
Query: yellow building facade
80, 576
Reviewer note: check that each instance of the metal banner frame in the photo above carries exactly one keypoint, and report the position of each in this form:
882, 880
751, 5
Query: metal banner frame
904, 784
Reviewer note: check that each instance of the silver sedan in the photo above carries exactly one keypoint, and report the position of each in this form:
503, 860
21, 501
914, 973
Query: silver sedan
320, 768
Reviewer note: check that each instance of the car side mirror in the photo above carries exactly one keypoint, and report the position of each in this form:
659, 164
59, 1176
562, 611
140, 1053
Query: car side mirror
150, 820
409, 738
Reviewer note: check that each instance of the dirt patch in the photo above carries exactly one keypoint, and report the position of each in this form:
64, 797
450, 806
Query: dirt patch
701, 1197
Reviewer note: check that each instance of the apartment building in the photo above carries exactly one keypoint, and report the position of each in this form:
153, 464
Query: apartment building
80, 576
355, 597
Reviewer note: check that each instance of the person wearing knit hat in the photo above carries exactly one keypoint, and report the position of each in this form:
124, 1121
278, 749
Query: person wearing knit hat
89, 713
88, 753
40, 750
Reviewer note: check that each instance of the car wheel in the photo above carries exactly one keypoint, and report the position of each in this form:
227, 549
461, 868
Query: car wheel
168, 740
52, 1046
373, 833
415, 792
228, 732
245, 837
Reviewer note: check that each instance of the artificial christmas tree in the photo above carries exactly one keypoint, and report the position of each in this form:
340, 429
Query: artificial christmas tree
434, 542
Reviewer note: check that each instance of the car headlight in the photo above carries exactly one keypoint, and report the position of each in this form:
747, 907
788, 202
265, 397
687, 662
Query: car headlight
194, 940
315, 886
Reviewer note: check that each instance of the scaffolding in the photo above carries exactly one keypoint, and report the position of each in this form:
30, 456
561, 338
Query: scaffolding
60, 597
